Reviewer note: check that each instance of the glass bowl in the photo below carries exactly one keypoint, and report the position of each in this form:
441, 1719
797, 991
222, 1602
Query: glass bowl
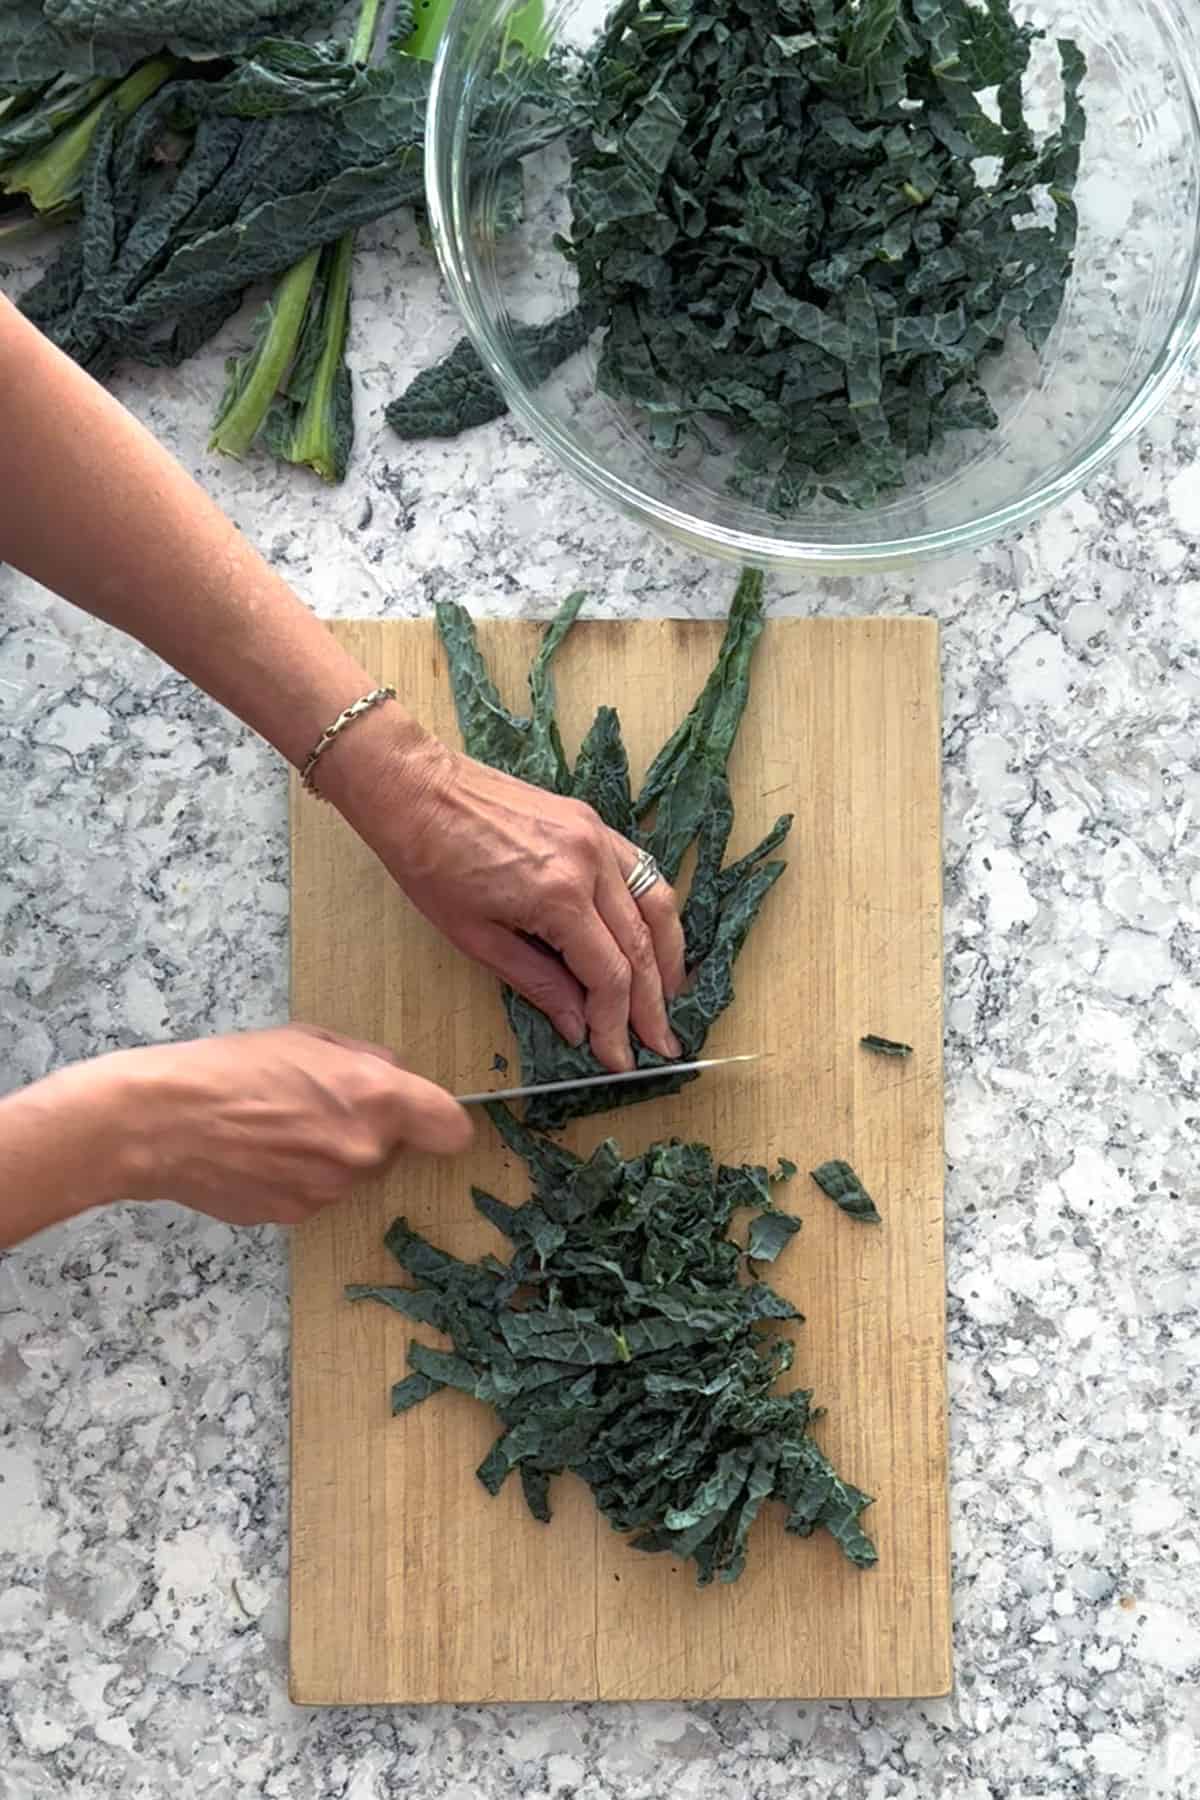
1129, 323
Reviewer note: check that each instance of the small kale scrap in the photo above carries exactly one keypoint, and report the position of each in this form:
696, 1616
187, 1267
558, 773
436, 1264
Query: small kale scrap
838, 1180
622, 1341
684, 800
457, 393
807, 228
883, 1046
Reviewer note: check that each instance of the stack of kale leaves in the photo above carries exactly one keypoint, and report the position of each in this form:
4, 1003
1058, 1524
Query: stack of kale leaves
684, 800
621, 1342
780, 211
190, 154
41, 40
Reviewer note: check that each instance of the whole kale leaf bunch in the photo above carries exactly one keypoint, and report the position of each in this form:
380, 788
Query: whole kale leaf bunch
184, 182
781, 213
684, 800
214, 184
621, 1342
42, 40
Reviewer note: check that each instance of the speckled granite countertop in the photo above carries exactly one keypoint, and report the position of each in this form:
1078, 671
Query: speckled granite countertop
143, 1390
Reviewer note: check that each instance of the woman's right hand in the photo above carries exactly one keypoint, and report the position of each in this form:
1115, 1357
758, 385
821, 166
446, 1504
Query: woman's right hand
267, 1126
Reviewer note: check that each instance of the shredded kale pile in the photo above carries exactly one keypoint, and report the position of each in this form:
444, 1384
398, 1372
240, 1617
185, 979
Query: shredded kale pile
627, 1339
781, 214
803, 228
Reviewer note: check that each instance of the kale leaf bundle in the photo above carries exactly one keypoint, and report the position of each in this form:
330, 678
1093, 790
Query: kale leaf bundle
620, 1342
780, 212
42, 40
686, 790
184, 182
267, 170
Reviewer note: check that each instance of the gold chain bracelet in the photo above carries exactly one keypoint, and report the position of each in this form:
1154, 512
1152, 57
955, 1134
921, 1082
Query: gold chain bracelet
355, 710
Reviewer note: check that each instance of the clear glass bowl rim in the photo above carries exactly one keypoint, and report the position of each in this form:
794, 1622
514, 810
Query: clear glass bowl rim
448, 203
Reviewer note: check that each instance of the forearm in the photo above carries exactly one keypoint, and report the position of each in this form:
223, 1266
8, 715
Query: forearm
95, 509
60, 1150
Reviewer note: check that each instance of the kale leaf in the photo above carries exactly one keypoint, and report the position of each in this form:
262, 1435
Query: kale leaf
457, 392
202, 150
685, 799
45, 148
225, 176
838, 1180
43, 39
781, 215
883, 1046
624, 1340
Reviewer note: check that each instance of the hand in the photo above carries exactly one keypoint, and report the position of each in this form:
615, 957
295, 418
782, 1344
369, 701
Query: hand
270, 1126
493, 863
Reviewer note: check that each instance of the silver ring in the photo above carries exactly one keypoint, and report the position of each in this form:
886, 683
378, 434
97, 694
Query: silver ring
643, 875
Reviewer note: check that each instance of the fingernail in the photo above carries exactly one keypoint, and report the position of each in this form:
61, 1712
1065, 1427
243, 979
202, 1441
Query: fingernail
576, 1031
674, 1047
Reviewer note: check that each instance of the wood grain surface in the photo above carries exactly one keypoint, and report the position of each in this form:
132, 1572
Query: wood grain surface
408, 1582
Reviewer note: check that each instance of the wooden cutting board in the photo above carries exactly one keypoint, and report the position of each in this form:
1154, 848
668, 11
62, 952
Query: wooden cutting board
408, 1582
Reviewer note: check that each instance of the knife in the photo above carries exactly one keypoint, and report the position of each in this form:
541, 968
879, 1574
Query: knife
591, 1081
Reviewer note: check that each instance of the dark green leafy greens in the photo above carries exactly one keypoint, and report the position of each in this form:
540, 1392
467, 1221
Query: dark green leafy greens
838, 1180
781, 214
187, 181
622, 1341
44, 144
883, 1046
684, 800
458, 393
43, 39
264, 177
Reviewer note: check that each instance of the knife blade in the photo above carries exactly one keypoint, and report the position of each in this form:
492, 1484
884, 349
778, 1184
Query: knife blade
591, 1081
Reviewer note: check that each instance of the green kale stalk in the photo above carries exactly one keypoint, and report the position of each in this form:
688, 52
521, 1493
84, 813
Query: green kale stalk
786, 217
312, 422
623, 1341
46, 135
685, 800
294, 387
252, 381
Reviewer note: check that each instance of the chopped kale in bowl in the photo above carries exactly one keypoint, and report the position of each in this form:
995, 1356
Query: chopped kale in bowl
834, 283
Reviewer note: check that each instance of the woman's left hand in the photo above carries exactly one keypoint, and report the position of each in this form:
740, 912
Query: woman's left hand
495, 863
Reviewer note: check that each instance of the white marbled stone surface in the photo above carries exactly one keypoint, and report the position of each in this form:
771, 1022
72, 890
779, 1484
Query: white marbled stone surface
143, 1392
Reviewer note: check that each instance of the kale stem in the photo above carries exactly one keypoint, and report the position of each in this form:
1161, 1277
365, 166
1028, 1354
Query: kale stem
314, 439
52, 176
364, 32
236, 430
